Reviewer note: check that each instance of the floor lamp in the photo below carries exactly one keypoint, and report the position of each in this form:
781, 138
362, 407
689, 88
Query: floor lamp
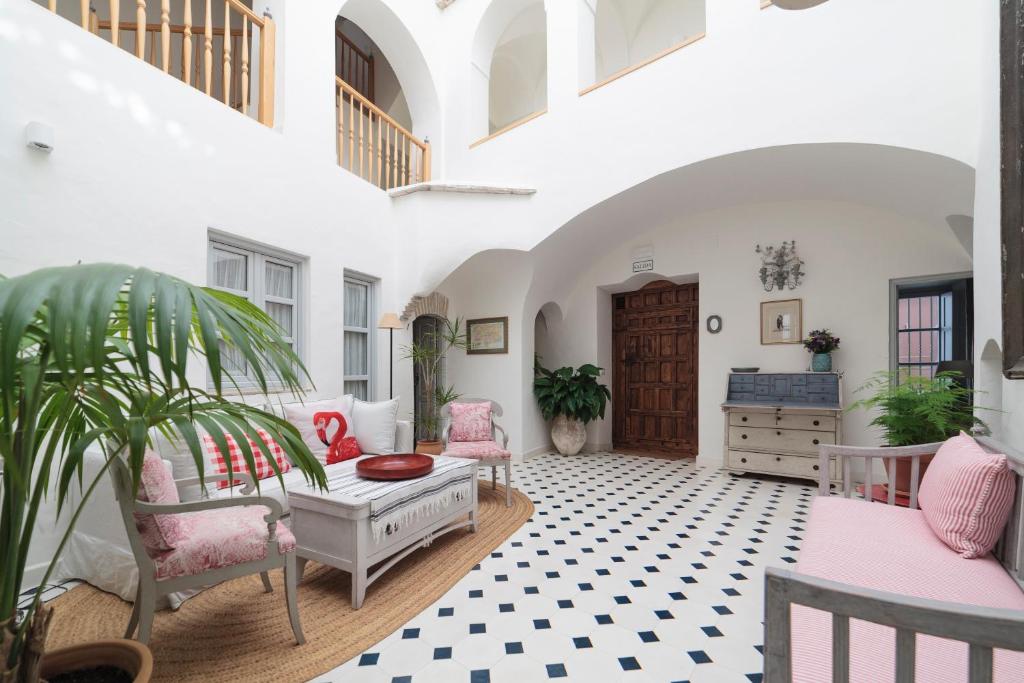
390, 322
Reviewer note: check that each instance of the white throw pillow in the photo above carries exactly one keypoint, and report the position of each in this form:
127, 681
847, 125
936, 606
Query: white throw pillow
374, 426
301, 416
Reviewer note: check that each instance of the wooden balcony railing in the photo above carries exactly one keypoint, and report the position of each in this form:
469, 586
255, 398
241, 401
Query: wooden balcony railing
354, 66
220, 60
374, 146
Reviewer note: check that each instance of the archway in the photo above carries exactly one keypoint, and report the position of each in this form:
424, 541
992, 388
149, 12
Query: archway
629, 32
379, 64
509, 65
989, 377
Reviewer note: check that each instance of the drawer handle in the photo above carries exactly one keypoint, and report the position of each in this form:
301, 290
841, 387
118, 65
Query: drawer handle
778, 458
816, 423
744, 419
816, 442
743, 459
744, 436
778, 433
815, 468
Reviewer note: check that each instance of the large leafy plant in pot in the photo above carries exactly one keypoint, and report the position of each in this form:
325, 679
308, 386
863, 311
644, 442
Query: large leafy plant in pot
570, 399
98, 357
913, 410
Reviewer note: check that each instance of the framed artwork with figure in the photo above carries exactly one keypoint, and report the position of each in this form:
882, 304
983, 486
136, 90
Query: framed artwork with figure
782, 322
487, 335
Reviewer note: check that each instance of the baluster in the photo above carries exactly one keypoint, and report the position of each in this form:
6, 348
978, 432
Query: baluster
869, 493
208, 57
152, 47
84, 7
915, 472
94, 21
906, 646
387, 156
979, 664
840, 648
394, 159
53, 5
341, 126
891, 500
352, 131
362, 150
165, 34
245, 65
380, 151
186, 45
426, 160
227, 53
403, 164
140, 29
115, 21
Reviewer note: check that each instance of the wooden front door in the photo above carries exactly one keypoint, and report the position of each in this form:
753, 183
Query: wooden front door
655, 375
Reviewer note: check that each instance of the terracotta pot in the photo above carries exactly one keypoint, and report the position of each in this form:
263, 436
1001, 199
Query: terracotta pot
903, 466
429, 447
129, 655
568, 435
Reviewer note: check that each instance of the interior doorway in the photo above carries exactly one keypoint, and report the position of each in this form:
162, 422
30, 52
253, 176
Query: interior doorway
655, 352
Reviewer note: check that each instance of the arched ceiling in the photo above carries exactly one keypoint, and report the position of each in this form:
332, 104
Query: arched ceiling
921, 186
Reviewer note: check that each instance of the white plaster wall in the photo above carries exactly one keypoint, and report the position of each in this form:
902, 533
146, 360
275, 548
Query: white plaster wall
852, 252
1003, 395
144, 166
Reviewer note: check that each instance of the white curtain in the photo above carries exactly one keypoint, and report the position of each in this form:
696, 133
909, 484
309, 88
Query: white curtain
279, 280
357, 305
230, 270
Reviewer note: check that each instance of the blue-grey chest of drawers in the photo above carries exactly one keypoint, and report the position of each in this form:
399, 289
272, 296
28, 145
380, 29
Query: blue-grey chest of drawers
774, 422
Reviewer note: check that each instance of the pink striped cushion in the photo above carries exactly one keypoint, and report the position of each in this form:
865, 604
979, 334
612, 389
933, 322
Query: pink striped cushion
966, 495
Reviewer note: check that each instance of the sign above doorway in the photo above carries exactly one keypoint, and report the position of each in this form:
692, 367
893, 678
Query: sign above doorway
643, 259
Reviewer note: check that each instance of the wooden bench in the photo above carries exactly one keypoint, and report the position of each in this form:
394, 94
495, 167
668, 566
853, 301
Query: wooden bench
892, 578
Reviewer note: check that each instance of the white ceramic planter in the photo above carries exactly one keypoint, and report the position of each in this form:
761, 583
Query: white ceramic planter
569, 435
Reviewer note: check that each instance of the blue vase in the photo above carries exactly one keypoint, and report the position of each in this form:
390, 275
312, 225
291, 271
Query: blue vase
821, 362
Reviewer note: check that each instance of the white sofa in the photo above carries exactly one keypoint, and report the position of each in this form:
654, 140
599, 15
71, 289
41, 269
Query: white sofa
98, 550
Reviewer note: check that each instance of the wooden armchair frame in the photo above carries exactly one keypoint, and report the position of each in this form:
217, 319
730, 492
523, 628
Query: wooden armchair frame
493, 463
150, 588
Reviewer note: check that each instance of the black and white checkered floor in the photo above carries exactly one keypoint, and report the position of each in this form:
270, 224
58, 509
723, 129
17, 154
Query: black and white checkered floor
632, 569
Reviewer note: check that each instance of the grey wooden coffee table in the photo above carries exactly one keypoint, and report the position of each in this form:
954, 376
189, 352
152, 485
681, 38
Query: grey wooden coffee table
335, 527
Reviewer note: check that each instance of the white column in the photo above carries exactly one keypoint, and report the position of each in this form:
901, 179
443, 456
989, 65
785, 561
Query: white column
563, 57
586, 43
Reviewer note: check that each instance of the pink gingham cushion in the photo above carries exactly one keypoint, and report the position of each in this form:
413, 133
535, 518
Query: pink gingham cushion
966, 495
263, 467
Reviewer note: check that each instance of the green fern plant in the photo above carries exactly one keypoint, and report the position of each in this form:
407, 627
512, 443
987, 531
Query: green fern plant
574, 393
917, 410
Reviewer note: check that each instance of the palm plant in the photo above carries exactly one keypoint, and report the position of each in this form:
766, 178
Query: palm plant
98, 356
427, 353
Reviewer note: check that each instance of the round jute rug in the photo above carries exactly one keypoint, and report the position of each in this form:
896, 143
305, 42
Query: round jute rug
236, 632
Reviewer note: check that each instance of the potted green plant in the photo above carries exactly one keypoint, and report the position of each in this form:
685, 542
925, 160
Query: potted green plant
570, 399
98, 356
914, 410
821, 344
427, 353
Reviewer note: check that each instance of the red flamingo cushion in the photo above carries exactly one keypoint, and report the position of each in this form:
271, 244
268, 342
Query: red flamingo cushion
340, 447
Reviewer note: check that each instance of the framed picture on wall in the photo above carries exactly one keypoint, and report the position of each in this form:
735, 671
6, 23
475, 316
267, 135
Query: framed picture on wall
782, 322
487, 335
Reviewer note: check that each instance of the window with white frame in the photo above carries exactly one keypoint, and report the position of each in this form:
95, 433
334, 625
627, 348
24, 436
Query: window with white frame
360, 330
268, 279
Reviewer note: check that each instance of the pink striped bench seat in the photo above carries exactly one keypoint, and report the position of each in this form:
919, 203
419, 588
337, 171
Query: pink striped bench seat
892, 549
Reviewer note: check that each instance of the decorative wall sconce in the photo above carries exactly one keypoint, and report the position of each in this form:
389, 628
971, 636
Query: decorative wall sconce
781, 268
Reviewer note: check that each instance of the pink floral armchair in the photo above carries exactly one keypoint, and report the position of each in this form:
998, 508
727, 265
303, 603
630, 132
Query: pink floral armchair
180, 546
471, 432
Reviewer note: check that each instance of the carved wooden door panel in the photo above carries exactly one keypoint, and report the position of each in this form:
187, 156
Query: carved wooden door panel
655, 368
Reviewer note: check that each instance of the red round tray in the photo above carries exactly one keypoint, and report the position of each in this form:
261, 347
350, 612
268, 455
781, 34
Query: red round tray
402, 466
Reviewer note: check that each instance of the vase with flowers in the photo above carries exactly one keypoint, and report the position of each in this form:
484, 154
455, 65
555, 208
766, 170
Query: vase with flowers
821, 344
